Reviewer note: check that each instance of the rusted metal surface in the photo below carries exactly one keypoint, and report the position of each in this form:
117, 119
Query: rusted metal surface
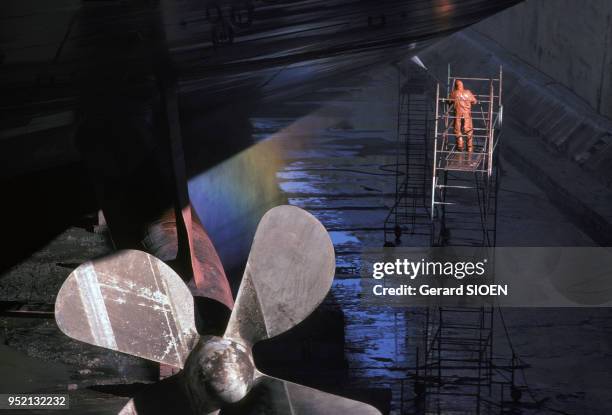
288, 274
209, 279
130, 302
195, 252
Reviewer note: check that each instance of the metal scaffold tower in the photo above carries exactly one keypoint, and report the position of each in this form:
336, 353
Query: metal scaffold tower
460, 373
459, 360
448, 197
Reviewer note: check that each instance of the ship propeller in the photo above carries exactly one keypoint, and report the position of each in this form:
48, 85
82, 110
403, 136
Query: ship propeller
134, 303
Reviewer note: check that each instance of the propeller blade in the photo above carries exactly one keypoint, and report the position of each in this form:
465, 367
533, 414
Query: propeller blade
130, 302
272, 396
288, 274
165, 397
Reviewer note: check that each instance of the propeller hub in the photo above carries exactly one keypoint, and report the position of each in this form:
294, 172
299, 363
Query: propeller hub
219, 371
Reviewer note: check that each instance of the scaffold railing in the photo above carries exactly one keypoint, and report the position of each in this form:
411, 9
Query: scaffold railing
486, 115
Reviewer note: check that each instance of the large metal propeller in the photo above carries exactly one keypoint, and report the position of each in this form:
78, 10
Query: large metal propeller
133, 303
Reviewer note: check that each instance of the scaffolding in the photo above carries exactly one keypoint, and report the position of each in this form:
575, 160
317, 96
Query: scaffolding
464, 185
459, 360
409, 215
460, 373
456, 366
447, 197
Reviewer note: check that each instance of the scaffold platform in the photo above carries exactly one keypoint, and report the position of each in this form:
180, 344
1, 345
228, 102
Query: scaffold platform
463, 203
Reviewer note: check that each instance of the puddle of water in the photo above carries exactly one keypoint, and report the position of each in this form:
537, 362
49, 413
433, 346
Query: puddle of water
340, 238
299, 187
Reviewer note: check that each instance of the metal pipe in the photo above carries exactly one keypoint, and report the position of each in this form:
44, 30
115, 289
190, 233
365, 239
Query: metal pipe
448, 78
435, 155
475, 79
500, 85
455, 187
491, 130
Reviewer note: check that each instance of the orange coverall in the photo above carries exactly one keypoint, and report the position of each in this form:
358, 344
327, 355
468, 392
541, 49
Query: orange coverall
462, 100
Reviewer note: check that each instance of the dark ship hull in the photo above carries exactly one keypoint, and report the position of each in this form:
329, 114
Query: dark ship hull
137, 94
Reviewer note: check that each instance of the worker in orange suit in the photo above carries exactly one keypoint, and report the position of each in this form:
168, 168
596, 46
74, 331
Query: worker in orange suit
462, 100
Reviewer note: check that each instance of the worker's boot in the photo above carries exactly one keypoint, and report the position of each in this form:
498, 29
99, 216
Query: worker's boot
470, 146
460, 144
470, 149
